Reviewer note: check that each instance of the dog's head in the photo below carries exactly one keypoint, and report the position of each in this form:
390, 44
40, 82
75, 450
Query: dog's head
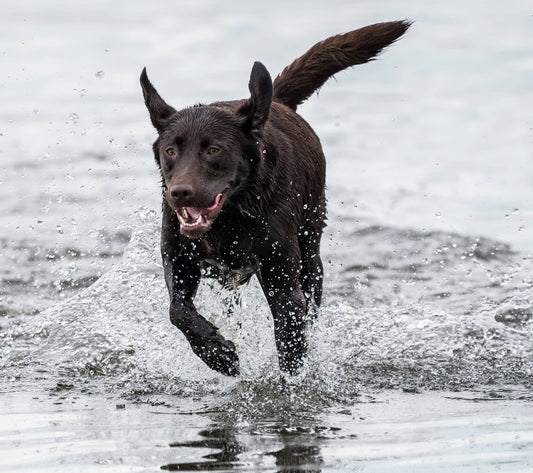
206, 152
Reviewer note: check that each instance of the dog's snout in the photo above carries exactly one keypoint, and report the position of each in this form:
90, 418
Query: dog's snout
181, 192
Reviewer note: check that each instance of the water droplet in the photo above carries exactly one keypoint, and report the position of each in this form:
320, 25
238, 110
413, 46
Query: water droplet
99, 74
513, 211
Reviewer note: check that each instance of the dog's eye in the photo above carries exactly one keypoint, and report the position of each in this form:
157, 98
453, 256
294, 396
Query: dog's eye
171, 152
213, 151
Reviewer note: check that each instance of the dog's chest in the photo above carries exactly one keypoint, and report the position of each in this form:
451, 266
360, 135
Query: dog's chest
231, 257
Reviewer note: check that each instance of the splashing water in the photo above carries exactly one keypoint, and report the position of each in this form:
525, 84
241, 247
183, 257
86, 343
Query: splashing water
418, 310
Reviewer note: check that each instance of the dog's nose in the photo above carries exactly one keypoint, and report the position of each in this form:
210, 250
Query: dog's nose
181, 191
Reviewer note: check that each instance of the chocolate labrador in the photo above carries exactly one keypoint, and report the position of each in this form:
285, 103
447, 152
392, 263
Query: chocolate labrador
243, 194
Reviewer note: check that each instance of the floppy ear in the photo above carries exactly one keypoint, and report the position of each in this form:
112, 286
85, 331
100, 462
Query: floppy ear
159, 110
257, 107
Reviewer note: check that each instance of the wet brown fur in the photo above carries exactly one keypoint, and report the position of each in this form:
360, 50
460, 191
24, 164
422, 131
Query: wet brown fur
272, 220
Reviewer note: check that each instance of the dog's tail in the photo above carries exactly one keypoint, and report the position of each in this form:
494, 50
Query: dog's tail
309, 72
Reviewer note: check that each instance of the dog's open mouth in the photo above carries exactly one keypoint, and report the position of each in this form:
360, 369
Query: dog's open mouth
195, 221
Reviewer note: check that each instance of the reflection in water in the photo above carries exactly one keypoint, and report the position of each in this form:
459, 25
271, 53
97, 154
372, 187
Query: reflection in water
300, 451
217, 438
430, 432
298, 458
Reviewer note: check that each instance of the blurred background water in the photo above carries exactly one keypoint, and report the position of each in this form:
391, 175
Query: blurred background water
421, 359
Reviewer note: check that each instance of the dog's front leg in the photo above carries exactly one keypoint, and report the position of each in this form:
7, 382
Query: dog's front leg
182, 275
279, 278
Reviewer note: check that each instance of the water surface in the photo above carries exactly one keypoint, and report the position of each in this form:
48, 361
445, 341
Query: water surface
421, 358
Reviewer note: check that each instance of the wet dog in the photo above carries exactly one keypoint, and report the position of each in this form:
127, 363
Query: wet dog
243, 194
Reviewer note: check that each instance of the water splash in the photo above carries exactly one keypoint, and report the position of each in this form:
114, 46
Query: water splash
115, 336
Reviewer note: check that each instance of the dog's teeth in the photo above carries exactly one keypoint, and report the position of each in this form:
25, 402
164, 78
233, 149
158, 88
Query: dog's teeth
183, 216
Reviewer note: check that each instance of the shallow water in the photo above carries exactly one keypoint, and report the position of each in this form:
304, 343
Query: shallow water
421, 358
389, 432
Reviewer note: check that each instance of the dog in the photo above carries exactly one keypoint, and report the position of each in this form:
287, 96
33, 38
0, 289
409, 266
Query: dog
243, 186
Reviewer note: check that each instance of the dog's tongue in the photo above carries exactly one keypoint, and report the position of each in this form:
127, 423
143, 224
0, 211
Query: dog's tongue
195, 212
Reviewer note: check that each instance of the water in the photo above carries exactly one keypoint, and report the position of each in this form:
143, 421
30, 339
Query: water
397, 432
421, 359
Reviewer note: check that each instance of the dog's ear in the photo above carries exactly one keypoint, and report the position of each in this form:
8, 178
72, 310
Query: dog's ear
256, 109
159, 110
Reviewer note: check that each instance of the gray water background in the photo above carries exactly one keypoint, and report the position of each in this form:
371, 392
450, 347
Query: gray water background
422, 357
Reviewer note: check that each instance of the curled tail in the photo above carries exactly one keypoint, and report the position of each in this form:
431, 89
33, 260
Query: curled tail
310, 71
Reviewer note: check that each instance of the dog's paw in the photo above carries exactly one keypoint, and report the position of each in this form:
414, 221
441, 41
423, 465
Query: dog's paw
217, 353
